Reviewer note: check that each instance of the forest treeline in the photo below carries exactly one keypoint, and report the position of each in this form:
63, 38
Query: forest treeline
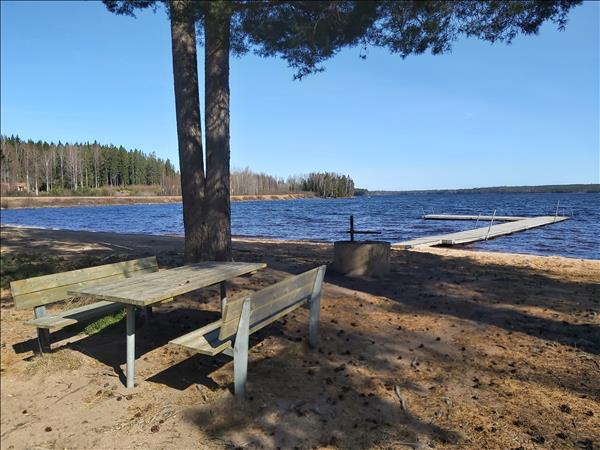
326, 184
34, 167
546, 188
78, 168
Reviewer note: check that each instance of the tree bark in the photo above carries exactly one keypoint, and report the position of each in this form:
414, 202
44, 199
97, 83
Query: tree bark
189, 132
216, 67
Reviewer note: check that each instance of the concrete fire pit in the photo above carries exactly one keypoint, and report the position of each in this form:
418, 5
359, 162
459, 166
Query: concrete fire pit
361, 258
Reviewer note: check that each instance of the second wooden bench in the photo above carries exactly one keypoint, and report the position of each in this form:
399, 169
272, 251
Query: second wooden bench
244, 316
35, 293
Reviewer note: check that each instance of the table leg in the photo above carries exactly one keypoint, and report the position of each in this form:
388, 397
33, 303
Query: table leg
130, 369
147, 315
223, 286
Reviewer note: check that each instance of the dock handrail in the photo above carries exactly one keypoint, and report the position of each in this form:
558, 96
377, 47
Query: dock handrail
490, 227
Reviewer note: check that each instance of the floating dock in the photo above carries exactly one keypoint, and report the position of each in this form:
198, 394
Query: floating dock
510, 225
465, 217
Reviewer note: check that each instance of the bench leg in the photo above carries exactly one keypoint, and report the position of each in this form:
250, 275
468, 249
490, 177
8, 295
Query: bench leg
43, 333
313, 324
223, 287
315, 308
240, 352
130, 369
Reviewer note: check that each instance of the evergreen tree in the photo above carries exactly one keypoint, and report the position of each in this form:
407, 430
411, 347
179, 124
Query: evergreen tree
56, 167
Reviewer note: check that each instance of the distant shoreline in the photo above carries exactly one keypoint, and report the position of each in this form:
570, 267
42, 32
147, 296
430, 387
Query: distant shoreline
61, 202
539, 189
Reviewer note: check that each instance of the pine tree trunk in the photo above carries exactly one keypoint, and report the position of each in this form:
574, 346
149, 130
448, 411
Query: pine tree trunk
216, 67
189, 132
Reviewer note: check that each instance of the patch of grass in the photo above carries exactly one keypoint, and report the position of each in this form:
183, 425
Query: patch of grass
104, 322
58, 361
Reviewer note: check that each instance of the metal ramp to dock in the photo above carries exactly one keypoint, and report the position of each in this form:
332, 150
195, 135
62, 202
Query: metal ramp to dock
511, 225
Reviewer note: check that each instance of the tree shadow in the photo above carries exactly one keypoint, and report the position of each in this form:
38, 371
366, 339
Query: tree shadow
343, 394
490, 294
107, 346
195, 368
303, 398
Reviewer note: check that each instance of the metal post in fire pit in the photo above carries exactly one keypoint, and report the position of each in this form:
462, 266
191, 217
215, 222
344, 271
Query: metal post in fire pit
353, 231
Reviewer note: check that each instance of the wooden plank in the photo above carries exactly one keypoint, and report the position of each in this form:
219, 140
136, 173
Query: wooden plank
176, 274
298, 286
204, 340
201, 276
45, 282
204, 274
171, 284
258, 313
427, 241
270, 303
284, 312
153, 288
480, 234
498, 230
269, 300
471, 217
173, 276
75, 315
30, 300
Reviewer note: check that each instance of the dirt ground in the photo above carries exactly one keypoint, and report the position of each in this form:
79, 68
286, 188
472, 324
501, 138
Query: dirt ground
453, 349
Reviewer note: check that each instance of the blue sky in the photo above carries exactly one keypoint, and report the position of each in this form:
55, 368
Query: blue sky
483, 115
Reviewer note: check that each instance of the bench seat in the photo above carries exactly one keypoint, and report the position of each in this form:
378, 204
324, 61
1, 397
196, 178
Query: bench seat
75, 315
206, 340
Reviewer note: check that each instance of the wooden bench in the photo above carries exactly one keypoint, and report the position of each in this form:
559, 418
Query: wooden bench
244, 316
35, 293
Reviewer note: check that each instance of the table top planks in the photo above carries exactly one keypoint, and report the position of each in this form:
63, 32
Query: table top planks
147, 289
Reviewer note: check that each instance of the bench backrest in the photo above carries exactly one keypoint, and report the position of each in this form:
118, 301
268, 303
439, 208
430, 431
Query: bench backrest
38, 291
273, 302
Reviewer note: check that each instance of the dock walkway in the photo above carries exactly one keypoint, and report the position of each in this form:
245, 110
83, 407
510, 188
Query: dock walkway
466, 217
510, 226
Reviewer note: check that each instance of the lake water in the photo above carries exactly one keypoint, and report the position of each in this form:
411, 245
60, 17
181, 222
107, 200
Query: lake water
398, 217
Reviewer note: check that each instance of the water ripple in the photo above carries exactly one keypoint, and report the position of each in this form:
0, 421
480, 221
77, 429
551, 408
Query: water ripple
397, 217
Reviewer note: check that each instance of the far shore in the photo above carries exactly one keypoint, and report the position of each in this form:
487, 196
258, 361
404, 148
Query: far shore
58, 202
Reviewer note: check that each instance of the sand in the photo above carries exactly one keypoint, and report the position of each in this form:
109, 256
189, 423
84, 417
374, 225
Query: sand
453, 349
58, 202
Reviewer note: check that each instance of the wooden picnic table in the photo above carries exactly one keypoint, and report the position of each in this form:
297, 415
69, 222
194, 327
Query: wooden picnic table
149, 289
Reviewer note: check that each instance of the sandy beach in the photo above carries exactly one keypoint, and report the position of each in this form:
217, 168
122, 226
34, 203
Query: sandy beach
58, 202
453, 349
